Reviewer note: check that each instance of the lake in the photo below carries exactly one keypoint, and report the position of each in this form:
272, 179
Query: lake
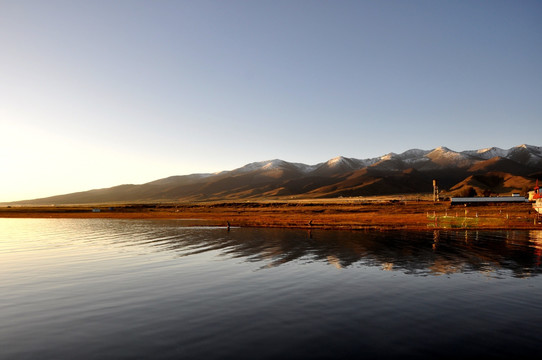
125, 289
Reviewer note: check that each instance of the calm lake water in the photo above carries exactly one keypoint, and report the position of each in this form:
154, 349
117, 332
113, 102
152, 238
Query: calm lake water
116, 289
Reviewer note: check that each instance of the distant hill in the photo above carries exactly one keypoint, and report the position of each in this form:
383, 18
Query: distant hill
491, 170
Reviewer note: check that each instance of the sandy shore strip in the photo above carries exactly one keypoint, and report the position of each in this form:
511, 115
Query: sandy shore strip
414, 215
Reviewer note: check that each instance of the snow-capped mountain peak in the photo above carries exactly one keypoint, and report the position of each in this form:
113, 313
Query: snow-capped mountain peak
533, 149
344, 162
335, 161
414, 153
443, 149
388, 156
487, 153
262, 165
416, 158
273, 164
444, 152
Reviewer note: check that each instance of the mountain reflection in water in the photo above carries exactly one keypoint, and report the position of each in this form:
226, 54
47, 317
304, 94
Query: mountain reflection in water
418, 253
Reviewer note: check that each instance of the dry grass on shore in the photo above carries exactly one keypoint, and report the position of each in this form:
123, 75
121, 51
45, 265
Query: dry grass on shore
324, 214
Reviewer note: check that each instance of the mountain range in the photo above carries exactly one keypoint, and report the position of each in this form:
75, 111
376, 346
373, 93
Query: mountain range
482, 172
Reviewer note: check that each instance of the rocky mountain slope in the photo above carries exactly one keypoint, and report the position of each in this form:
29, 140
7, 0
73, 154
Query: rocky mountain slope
485, 171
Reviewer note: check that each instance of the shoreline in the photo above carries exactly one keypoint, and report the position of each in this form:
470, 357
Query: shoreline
384, 215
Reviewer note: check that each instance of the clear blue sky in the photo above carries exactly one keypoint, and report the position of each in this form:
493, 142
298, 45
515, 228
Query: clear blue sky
100, 93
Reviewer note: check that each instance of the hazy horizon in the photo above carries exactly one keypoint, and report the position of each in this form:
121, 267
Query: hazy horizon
97, 94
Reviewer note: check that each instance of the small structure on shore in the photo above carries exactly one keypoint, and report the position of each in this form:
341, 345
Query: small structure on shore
487, 200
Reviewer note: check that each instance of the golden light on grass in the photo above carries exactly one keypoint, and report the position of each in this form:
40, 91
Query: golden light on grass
314, 214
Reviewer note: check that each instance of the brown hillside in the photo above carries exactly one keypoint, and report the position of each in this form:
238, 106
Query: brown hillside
492, 183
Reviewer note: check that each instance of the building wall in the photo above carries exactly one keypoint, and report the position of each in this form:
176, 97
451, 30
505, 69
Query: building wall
485, 200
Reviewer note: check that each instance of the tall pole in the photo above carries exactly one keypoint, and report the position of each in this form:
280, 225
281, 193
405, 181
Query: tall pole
435, 191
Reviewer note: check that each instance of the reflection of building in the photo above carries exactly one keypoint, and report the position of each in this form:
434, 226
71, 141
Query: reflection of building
387, 266
535, 237
333, 260
536, 240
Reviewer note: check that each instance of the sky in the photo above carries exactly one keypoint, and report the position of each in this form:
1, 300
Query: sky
98, 93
